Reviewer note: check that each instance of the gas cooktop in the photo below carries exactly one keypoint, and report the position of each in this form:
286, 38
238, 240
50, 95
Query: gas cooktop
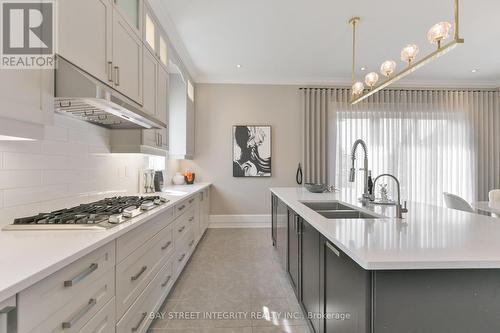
102, 214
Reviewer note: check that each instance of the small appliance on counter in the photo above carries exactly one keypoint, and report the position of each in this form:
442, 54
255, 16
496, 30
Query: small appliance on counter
158, 181
146, 180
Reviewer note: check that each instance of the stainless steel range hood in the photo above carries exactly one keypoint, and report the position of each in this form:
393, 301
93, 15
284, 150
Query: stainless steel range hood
80, 95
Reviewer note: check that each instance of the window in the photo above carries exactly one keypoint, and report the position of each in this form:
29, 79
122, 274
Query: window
428, 150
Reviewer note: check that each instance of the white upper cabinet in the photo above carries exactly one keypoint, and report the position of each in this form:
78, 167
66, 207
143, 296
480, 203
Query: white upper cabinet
87, 42
181, 115
150, 81
27, 96
127, 60
150, 31
131, 11
163, 50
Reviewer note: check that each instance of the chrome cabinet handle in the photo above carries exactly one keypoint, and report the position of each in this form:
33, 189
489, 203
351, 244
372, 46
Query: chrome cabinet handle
181, 207
81, 276
182, 257
191, 244
164, 247
191, 219
135, 277
117, 76
164, 284
334, 250
68, 324
191, 200
182, 229
110, 71
136, 327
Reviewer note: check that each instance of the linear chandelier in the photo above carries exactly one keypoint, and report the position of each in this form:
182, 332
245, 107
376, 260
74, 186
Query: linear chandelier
436, 35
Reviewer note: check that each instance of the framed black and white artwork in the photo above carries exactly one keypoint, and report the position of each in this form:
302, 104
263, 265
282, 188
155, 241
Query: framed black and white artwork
251, 151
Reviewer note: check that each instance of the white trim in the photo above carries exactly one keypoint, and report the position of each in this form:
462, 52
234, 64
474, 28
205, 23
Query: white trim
240, 221
342, 82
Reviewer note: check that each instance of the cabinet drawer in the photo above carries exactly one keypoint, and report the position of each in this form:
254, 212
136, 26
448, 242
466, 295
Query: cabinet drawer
182, 251
182, 225
183, 206
75, 314
138, 269
54, 293
127, 243
137, 319
103, 322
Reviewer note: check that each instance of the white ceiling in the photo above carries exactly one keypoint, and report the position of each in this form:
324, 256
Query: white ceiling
309, 41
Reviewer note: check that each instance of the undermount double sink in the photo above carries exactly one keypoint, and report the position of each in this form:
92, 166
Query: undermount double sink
335, 210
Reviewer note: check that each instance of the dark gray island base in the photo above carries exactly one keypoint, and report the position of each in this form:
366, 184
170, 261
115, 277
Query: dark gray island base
339, 296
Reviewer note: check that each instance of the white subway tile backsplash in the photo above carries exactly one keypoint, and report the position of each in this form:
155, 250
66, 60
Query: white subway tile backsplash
55, 133
19, 178
28, 195
53, 177
20, 146
64, 148
17, 161
72, 165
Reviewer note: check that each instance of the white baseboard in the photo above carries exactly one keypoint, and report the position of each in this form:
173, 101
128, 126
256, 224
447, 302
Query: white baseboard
240, 221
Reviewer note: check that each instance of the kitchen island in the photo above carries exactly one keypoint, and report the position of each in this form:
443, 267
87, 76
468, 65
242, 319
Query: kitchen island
436, 270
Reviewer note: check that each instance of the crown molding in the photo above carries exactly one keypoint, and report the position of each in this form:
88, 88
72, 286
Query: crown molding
345, 82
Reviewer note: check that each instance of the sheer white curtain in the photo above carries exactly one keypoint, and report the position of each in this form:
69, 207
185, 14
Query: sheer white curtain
434, 141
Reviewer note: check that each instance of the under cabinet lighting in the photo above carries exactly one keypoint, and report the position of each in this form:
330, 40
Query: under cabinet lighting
14, 138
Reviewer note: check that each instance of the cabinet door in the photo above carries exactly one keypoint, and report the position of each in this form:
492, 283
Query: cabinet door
127, 59
131, 11
150, 138
27, 95
150, 31
190, 129
162, 93
85, 35
346, 292
294, 250
150, 82
163, 50
310, 261
282, 233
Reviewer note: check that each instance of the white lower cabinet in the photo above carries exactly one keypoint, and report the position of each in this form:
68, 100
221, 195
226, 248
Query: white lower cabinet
60, 297
116, 287
135, 272
103, 322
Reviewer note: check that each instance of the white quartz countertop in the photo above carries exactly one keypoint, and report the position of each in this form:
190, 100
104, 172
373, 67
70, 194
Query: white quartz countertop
27, 257
429, 237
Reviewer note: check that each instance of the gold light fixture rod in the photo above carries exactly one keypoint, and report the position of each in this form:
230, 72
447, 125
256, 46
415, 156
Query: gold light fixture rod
412, 66
353, 21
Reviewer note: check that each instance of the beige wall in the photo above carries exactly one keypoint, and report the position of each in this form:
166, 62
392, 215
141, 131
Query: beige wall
218, 108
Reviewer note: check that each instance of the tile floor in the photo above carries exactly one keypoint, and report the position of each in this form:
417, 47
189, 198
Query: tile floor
233, 271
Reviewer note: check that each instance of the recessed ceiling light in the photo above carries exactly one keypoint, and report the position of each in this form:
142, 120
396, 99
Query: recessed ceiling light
238, 66
363, 68
474, 70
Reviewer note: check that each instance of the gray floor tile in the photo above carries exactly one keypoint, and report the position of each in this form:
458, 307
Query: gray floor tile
233, 271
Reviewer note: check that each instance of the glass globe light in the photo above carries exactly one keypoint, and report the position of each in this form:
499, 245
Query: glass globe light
357, 88
409, 53
387, 68
371, 79
439, 32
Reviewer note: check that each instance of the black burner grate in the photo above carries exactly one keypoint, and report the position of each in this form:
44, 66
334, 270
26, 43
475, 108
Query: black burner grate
91, 213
